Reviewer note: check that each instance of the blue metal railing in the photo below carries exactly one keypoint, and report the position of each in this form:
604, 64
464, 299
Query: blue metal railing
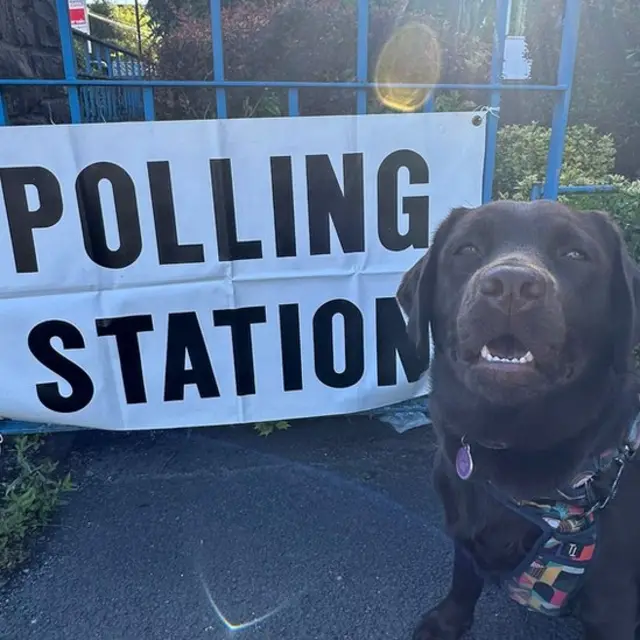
538, 189
99, 60
131, 96
82, 108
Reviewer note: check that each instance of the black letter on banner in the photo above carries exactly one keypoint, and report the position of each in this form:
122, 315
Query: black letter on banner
416, 207
323, 344
184, 336
240, 321
43, 351
91, 215
291, 347
224, 208
170, 251
327, 201
283, 209
22, 221
125, 330
392, 338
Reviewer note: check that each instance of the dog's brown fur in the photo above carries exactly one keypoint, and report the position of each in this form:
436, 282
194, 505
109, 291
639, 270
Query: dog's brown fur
575, 305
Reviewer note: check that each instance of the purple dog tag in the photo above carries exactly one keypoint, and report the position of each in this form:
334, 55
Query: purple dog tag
464, 462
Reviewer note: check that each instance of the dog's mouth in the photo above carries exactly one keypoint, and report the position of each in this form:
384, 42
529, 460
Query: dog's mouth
506, 350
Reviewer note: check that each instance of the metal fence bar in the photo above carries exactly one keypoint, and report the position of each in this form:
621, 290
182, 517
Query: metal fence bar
566, 65
109, 62
87, 56
68, 58
537, 190
277, 84
148, 104
497, 63
294, 102
17, 427
362, 55
588, 188
429, 105
218, 56
3, 111
81, 35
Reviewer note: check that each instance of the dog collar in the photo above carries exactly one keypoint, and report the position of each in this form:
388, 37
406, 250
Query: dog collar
580, 489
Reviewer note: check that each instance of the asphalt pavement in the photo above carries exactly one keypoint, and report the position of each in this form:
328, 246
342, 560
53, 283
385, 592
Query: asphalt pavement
327, 531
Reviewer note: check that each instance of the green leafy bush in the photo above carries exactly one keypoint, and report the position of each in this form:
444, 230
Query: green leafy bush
30, 491
589, 158
623, 204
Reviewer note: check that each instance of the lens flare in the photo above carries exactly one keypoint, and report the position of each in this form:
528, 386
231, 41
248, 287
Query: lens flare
411, 56
242, 626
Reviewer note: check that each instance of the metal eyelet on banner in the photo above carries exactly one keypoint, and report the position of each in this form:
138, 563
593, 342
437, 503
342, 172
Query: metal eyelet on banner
481, 112
1, 441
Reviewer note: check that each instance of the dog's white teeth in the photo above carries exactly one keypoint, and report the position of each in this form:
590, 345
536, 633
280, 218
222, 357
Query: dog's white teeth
485, 354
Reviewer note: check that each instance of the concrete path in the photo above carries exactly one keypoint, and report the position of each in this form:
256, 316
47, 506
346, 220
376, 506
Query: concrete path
328, 531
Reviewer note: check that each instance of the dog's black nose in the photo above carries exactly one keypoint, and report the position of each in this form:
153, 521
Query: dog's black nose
513, 288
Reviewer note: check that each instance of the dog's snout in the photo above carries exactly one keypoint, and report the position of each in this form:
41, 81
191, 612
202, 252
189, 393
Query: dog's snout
513, 287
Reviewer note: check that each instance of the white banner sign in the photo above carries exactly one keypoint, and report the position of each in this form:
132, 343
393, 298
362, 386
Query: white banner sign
176, 274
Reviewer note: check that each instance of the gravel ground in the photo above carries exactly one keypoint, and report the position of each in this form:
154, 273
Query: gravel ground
328, 531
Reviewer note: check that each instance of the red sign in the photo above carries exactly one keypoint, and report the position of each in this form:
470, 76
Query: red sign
78, 15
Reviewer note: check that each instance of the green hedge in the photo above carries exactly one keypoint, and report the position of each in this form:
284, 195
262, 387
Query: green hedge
589, 158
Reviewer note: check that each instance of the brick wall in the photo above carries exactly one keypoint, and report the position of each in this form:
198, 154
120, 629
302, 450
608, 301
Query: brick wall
30, 48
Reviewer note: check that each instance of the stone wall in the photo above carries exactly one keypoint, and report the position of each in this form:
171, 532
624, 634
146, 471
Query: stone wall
30, 48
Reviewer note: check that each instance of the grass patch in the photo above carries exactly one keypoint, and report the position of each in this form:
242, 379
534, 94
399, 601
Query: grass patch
30, 490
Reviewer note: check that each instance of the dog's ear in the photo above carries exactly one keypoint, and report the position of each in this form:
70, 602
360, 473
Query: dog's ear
625, 305
416, 292
625, 296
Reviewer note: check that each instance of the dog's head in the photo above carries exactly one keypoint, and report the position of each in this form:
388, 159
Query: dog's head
523, 299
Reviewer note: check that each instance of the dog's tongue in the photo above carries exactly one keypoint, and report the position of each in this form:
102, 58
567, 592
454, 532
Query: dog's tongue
506, 346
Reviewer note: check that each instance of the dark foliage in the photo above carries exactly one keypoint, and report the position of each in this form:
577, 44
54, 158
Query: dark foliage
300, 40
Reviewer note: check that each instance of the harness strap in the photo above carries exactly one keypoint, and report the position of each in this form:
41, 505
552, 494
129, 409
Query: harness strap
554, 569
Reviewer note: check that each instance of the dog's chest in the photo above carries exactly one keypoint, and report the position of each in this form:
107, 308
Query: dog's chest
497, 538
500, 540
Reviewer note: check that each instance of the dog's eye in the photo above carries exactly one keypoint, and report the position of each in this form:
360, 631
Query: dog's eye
575, 254
467, 250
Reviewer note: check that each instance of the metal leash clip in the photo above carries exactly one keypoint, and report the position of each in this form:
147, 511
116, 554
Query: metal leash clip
621, 461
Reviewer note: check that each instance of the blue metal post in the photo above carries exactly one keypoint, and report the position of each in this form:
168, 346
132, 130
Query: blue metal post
148, 104
294, 102
109, 62
218, 56
566, 65
536, 192
429, 105
497, 63
68, 58
3, 111
87, 56
362, 59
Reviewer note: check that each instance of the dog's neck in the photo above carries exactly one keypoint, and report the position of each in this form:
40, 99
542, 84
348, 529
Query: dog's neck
601, 407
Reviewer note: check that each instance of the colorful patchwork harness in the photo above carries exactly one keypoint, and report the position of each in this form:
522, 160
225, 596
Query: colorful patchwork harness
554, 569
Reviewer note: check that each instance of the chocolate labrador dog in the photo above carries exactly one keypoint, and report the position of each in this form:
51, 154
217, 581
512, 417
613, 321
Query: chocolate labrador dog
533, 310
